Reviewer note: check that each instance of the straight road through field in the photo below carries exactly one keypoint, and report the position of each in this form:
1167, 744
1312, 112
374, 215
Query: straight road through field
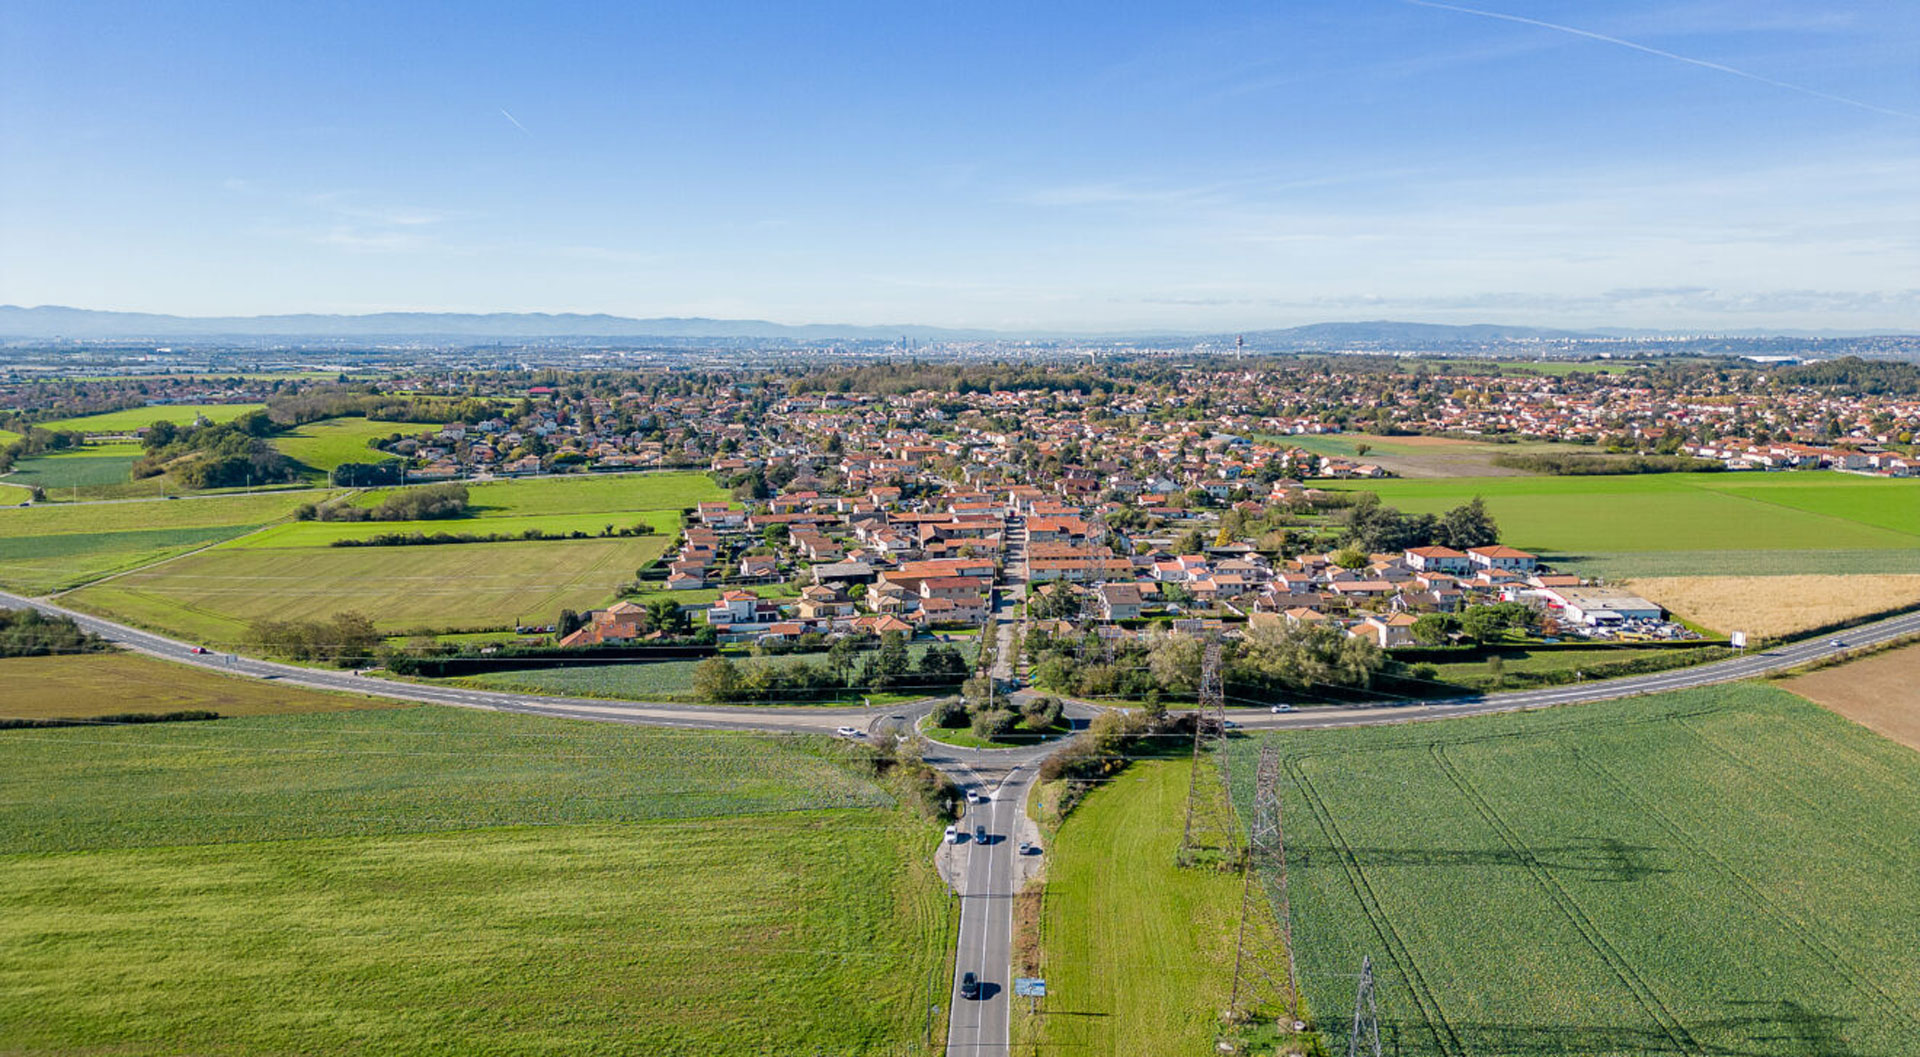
989, 879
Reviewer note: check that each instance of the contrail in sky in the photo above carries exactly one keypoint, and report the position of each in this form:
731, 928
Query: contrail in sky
1702, 63
515, 120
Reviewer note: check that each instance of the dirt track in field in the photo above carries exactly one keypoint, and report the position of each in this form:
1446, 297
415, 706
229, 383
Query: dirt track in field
1881, 693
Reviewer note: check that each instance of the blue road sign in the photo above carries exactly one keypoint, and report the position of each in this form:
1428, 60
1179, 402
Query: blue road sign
1030, 986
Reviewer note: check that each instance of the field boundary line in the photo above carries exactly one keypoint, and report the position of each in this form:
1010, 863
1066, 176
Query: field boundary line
1424, 997
1736, 494
1833, 959
1569, 907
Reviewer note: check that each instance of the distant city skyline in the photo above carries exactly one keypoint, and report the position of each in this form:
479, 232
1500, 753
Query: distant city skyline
1697, 165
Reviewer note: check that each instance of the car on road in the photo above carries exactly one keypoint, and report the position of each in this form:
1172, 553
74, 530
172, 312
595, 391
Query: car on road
850, 732
1838, 644
201, 650
953, 834
970, 986
974, 797
980, 834
1028, 847
1229, 724
1277, 709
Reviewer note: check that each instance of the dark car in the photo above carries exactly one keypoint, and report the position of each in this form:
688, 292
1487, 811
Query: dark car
970, 986
980, 834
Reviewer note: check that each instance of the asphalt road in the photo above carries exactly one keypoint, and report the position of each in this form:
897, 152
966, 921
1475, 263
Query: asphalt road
977, 1027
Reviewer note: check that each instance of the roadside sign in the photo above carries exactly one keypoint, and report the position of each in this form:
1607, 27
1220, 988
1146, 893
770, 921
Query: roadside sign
1030, 986
1738, 640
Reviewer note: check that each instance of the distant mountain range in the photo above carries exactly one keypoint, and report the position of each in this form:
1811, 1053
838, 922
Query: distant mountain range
58, 322
55, 321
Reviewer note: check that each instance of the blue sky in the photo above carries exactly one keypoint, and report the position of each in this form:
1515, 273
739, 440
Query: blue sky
1077, 166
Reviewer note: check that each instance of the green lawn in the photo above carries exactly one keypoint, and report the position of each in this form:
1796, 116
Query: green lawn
141, 417
329, 442
1724, 871
1137, 953
216, 595
432, 881
1618, 519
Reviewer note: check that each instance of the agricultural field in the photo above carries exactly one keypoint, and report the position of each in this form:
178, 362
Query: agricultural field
323, 533
652, 681
1690, 524
1726, 871
138, 418
1876, 692
430, 881
323, 445
1420, 456
1778, 606
83, 468
1137, 952
215, 596
46, 548
96, 684
581, 494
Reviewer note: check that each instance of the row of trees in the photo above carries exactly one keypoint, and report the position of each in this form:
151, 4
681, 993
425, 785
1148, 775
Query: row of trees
1268, 660
29, 633
846, 666
431, 502
997, 721
346, 640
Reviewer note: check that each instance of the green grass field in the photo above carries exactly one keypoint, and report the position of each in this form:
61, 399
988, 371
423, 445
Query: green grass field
322, 533
1723, 871
216, 595
582, 494
141, 417
80, 469
51, 547
325, 444
1137, 953
432, 881
94, 684
1626, 525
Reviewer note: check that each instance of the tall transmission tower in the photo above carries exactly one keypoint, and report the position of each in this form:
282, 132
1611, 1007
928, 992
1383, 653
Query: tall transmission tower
1211, 830
1365, 1040
1263, 970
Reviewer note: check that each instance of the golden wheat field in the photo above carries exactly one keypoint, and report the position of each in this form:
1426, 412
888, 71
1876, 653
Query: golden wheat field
1772, 606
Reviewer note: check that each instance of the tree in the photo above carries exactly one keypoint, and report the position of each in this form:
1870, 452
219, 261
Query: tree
1469, 525
1190, 542
716, 680
950, 712
1041, 713
663, 614
1175, 661
568, 623
1306, 657
992, 724
1433, 629
1485, 624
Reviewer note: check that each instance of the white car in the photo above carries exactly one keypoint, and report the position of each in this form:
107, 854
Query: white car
1277, 709
953, 834
851, 732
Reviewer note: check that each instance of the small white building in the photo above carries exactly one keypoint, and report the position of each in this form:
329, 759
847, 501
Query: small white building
1503, 558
